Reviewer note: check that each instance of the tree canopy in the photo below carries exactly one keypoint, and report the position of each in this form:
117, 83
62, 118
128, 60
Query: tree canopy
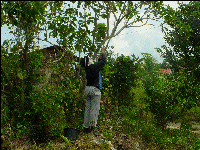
183, 38
69, 24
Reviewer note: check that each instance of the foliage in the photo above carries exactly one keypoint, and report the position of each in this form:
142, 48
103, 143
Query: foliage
169, 95
156, 138
48, 117
149, 70
172, 95
120, 76
51, 100
167, 100
183, 37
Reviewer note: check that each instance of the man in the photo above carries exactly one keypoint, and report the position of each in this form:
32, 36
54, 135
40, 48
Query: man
92, 90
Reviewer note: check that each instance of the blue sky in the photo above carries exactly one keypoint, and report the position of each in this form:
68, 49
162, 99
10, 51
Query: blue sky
130, 41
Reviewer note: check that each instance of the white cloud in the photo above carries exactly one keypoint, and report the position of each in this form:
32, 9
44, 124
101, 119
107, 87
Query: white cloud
139, 40
173, 4
146, 30
120, 43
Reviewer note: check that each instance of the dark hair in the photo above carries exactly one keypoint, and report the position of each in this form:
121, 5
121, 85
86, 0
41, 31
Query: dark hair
84, 61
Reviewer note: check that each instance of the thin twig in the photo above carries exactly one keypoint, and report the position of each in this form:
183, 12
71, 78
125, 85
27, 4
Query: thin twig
112, 10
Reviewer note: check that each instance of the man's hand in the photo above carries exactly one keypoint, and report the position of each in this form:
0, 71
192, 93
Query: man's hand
103, 50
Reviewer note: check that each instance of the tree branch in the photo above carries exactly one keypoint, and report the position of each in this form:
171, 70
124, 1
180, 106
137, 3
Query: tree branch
122, 11
112, 10
140, 25
114, 28
108, 17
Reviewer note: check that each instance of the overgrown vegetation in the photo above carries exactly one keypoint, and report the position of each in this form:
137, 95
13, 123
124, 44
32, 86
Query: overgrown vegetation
42, 93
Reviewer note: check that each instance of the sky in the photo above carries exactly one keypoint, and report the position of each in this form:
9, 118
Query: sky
130, 41
143, 39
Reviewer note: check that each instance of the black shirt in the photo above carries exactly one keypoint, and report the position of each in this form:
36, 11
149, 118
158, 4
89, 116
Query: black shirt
92, 72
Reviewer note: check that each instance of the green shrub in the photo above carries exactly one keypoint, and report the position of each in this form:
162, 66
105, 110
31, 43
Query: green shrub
119, 77
47, 115
170, 96
154, 137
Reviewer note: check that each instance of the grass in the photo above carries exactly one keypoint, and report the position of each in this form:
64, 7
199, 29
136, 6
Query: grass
127, 132
125, 127
193, 114
139, 121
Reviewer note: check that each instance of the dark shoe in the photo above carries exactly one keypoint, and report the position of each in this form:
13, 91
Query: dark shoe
92, 128
86, 130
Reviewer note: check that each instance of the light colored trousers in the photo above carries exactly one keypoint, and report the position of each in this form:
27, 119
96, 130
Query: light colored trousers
93, 98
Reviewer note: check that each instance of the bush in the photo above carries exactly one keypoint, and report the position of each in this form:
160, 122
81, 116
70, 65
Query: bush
170, 96
119, 77
48, 117
42, 99
155, 138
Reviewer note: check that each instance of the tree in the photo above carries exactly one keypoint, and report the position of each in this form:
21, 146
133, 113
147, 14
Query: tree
123, 78
172, 95
21, 107
124, 12
184, 54
183, 38
70, 25
150, 67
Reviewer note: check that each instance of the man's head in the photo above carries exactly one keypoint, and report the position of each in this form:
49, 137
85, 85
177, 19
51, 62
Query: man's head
90, 61
86, 61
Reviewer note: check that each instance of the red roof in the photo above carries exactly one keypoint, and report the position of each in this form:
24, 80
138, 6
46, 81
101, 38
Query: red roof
167, 70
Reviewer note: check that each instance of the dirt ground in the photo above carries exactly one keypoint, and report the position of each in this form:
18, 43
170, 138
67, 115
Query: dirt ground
195, 126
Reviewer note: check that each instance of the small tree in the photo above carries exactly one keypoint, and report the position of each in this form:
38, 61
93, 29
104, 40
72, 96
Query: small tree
122, 75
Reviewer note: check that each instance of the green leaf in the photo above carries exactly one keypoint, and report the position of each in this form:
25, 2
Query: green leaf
20, 75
